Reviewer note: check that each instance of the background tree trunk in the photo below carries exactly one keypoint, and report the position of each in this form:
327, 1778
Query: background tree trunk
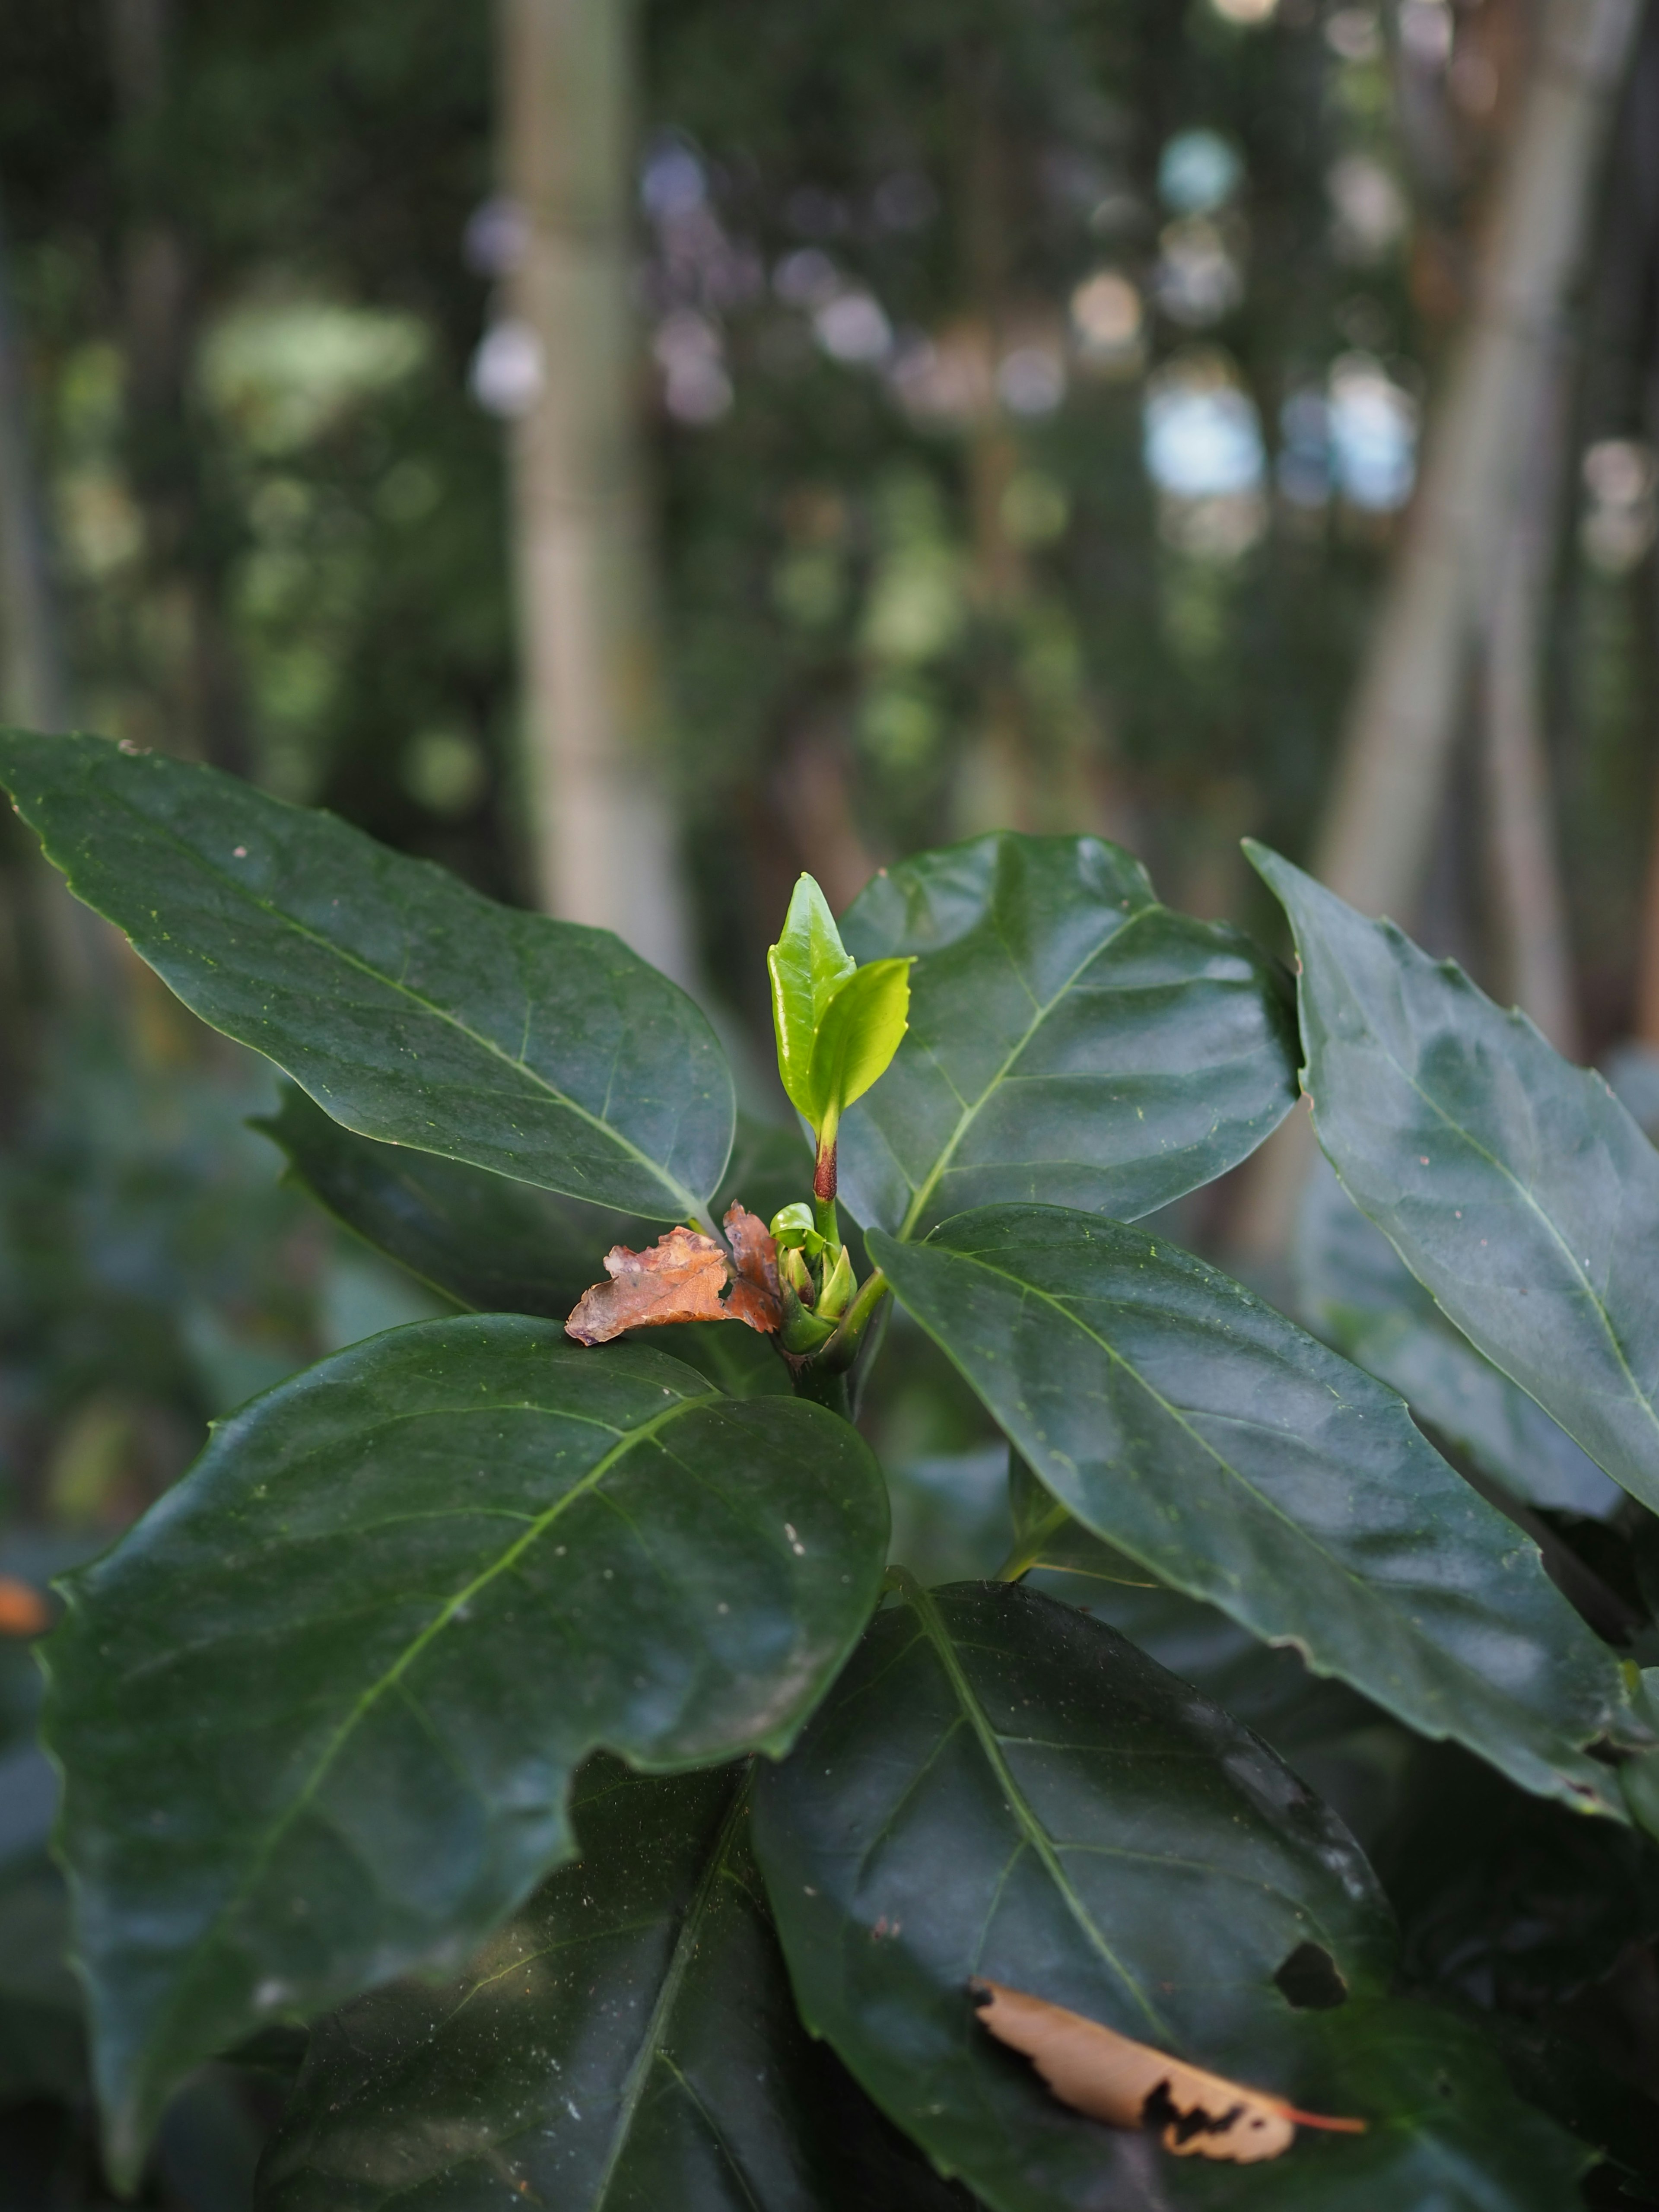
603, 817
1472, 496
1529, 901
1391, 769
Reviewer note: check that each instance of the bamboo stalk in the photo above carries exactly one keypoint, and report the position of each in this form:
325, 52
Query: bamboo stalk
595, 722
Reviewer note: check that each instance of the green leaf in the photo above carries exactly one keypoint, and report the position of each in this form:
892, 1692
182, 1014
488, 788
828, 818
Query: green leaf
410, 1008
1355, 1291
998, 1786
318, 1710
1070, 1040
860, 1031
807, 965
628, 2039
1196, 1429
1514, 1186
492, 1245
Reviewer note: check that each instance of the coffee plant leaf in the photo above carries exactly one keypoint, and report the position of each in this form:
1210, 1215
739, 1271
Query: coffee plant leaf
1070, 1040
626, 2038
806, 966
1194, 1428
495, 1246
1000, 1789
1357, 1293
317, 1712
1514, 1186
409, 1007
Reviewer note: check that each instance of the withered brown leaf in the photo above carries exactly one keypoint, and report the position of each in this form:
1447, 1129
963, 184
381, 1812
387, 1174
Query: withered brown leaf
1129, 2085
755, 1287
683, 1277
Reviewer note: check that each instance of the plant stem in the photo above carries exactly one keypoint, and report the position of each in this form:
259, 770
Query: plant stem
842, 1348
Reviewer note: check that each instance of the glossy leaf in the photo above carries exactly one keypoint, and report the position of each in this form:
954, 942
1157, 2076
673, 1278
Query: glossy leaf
862, 1028
807, 966
318, 1710
1196, 1429
1070, 1040
626, 2041
1514, 1186
1356, 1292
998, 1787
410, 1008
492, 1245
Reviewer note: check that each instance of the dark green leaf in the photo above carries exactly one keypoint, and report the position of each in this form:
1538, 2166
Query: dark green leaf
492, 1245
408, 1007
1514, 1186
1070, 1040
1357, 1293
318, 1710
1196, 1429
998, 1786
626, 2041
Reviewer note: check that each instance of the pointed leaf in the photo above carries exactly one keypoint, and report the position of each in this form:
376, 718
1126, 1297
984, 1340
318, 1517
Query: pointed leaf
1513, 1185
1356, 1292
1195, 1429
807, 965
491, 1245
1000, 1789
627, 2039
1070, 1039
317, 1712
860, 1031
410, 1008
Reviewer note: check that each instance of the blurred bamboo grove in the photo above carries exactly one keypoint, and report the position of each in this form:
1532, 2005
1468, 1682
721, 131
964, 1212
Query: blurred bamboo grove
631, 452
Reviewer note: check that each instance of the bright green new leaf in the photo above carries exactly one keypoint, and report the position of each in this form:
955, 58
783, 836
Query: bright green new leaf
998, 1786
627, 2040
1512, 1184
861, 1030
318, 1712
410, 1008
808, 965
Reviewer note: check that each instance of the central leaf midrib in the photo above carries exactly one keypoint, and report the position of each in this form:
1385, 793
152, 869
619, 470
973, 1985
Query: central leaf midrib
394, 1674
923, 1604
691, 1202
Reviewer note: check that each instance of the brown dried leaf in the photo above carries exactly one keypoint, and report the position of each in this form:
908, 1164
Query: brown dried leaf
755, 1287
23, 1611
1129, 2085
680, 1278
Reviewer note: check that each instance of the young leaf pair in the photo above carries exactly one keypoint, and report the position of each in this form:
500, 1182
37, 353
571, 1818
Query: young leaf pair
838, 1025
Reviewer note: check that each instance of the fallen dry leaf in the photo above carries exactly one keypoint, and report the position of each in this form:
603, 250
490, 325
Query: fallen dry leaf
683, 1277
23, 1611
1129, 2085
